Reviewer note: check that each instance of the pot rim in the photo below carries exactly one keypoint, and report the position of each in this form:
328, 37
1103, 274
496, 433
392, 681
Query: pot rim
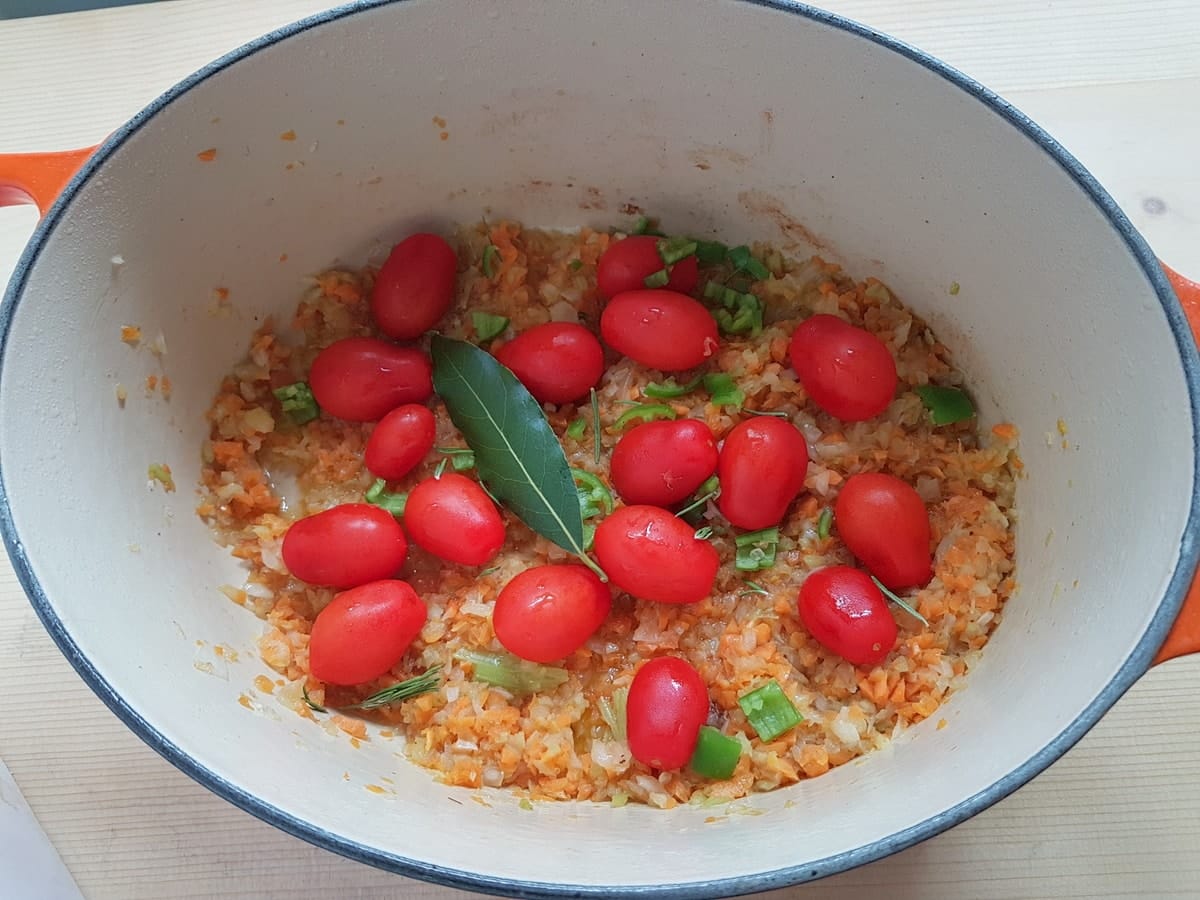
1133, 668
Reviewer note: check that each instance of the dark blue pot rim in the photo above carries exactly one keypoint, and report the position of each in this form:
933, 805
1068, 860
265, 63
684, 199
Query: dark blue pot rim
1137, 663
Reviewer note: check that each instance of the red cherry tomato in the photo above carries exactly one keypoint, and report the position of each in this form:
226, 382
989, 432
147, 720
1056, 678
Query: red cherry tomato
414, 287
557, 362
345, 546
364, 631
843, 609
667, 704
625, 265
453, 517
660, 329
547, 612
884, 523
400, 441
654, 555
662, 463
847, 371
361, 379
762, 468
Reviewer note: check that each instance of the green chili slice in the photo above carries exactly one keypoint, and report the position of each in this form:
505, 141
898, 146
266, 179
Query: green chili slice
946, 405
594, 496
742, 261
491, 255
769, 711
487, 325
670, 389
644, 412
711, 253
824, 522
657, 279
461, 458
723, 390
377, 495
756, 549
672, 250
716, 755
298, 402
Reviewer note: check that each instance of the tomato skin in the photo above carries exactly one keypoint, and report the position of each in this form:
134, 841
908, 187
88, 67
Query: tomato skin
667, 704
653, 555
548, 612
400, 441
846, 370
884, 523
662, 463
846, 613
414, 287
453, 518
762, 468
345, 546
660, 329
557, 362
361, 379
626, 263
365, 631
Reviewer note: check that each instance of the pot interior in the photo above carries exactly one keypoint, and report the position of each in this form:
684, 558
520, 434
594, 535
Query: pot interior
740, 120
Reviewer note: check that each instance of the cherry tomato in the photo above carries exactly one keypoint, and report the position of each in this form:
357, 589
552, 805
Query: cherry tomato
361, 379
453, 517
762, 468
667, 704
364, 631
884, 523
847, 371
345, 546
654, 555
660, 329
414, 287
625, 265
843, 609
557, 362
662, 463
547, 612
400, 441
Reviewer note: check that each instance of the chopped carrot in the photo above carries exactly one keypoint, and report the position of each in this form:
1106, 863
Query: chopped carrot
207, 155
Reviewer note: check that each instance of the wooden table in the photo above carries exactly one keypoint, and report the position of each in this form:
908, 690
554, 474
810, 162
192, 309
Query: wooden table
1118, 816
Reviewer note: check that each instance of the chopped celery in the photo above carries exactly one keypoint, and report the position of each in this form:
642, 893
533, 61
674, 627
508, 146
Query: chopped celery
517, 676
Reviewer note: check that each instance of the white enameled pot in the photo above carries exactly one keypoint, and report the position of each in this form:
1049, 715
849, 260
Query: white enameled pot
749, 120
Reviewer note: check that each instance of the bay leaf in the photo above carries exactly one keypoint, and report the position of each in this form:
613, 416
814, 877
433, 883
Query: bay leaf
517, 453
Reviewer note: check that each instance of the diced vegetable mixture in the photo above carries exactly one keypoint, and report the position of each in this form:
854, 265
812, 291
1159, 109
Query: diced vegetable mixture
621, 517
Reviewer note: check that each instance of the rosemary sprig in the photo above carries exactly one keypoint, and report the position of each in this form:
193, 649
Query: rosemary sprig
903, 604
425, 683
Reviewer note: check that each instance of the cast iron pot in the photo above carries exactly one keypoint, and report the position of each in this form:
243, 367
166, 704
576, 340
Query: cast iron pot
748, 120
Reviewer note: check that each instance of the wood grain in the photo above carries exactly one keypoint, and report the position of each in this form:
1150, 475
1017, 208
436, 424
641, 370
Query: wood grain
1117, 817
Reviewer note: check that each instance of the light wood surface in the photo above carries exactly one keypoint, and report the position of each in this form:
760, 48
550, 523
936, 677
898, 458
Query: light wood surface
1119, 816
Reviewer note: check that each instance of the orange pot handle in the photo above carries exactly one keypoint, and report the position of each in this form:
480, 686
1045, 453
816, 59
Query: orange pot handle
1184, 636
38, 177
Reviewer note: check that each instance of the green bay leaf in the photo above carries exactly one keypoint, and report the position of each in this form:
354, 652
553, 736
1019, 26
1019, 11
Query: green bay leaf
517, 454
